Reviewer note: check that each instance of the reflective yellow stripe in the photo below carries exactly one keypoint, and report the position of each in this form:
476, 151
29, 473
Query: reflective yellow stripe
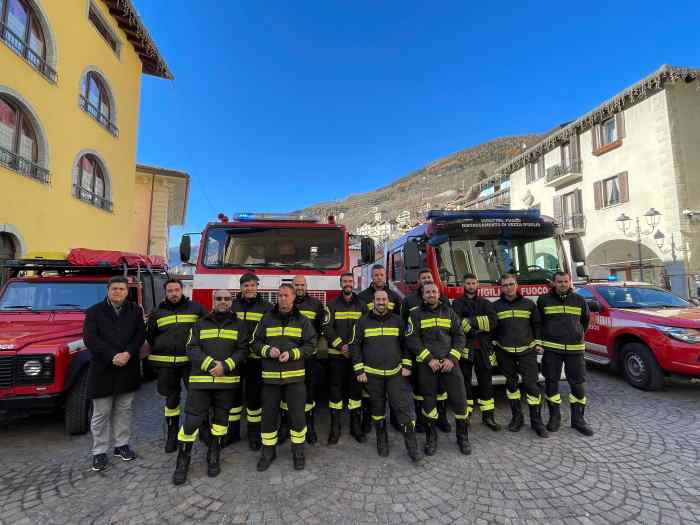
486, 404
483, 322
231, 363
377, 332
179, 318
571, 310
433, 414
295, 354
407, 363
264, 350
534, 400
168, 358
335, 406
206, 362
348, 315
513, 395
187, 438
465, 353
267, 374
249, 316
308, 313
455, 353
466, 325
378, 418
442, 322
297, 437
358, 367
336, 341
353, 404
228, 334
166, 320
212, 379
442, 396
558, 346
382, 372
507, 314
423, 355
333, 351
171, 412
556, 399
283, 405
276, 331
269, 438
575, 400
514, 349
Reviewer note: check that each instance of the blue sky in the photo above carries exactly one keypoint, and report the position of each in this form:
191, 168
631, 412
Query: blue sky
278, 105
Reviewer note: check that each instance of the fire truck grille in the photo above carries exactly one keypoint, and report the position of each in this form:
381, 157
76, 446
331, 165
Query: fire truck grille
271, 295
7, 371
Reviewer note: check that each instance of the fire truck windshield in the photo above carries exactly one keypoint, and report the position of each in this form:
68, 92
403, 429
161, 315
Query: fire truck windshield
274, 247
532, 260
52, 295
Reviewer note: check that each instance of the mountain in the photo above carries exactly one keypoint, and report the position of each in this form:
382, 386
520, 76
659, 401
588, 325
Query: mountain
430, 187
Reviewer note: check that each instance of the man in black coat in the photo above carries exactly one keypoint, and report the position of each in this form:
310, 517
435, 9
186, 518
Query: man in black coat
114, 331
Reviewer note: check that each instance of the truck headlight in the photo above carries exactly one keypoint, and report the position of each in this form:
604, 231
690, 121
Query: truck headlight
686, 335
32, 368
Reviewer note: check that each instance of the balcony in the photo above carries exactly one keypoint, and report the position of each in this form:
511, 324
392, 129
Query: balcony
500, 199
561, 175
19, 46
574, 223
92, 198
23, 166
92, 110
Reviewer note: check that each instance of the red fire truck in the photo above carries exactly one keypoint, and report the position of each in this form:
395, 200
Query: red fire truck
274, 246
43, 360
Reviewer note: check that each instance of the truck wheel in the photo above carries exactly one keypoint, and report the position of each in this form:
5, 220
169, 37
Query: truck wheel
639, 367
78, 406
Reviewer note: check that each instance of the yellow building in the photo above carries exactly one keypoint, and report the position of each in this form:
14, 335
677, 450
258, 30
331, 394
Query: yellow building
70, 81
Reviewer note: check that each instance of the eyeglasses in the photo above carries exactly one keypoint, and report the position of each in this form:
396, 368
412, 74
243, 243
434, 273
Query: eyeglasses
509, 284
226, 299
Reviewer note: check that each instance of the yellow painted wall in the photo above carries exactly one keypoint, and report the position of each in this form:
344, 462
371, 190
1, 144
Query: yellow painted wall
142, 207
49, 217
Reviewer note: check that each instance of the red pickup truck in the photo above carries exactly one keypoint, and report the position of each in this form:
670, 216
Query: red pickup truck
643, 331
43, 360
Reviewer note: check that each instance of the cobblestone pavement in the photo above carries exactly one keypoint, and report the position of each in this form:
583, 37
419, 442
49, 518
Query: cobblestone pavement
642, 466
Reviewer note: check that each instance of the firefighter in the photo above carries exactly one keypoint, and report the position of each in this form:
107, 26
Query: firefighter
478, 322
409, 303
217, 348
167, 332
381, 361
250, 307
342, 314
379, 282
284, 339
564, 322
435, 337
515, 339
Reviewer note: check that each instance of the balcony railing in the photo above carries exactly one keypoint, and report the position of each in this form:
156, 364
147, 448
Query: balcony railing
500, 199
23, 166
95, 113
19, 46
88, 196
558, 171
575, 222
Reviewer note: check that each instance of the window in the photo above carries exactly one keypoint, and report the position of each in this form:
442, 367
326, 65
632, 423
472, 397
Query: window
534, 171
91, 183
565, 155
568, 210
611, 191
21, 31
608, 132
51, 295
103, 29
397, 266
96, 101
608, 135
585, 293
19, 150
640, 297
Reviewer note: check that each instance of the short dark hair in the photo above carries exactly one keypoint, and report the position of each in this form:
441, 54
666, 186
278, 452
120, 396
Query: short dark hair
469, 276
508, 275
424, 270
249, 276
347, 274
377, 267
172, 280
287, 285
561, 273
117, 279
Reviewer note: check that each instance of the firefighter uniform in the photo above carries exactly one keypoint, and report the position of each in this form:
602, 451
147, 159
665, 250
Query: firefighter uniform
378, 350
437, 334
339, 328
251, 312
289, 332
217, 337
514, 339
167, 332
478, 321
564, 323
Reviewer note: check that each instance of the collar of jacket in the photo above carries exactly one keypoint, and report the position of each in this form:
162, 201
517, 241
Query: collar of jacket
518, 296
241, 299
353, 298
294, 313
211, 316
384, 317
299, 300
553, 292
174, 306
427, 308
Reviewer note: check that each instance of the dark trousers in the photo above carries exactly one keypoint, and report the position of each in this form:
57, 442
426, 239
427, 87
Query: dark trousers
199, 402
311, 378
430, 384
526, 365
342, 385
253, 390
391, 387
272, 395
169, 386
481, 362
575, 369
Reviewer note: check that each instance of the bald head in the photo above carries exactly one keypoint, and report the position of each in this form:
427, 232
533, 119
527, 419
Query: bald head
381, 301
300, 285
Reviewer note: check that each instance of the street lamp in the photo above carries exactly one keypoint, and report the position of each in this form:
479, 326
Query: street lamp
660, 238
652, 217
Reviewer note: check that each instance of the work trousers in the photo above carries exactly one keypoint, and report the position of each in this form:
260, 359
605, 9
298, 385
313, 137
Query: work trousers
272, 395
170, 379
482, 362
394, 388
252, 372
343, 385
430, 384
111, 416
525, 364
575, 369
199, 403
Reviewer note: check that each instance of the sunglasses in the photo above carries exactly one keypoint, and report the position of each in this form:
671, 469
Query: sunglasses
227, 299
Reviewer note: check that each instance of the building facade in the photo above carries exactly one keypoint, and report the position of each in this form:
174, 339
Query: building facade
70, 79
634, 157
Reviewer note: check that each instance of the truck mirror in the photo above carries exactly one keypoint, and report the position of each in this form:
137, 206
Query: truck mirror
367, 250
411, 256
411, 276
578, 254
593, 305
185, 248
582, 271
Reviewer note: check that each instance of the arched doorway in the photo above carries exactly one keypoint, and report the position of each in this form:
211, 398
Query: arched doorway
620, 257
8, 250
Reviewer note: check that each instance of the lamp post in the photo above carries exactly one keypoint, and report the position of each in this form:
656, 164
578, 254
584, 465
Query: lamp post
660, 238
652, 218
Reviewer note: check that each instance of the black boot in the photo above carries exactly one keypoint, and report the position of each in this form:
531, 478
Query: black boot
173, 425
267, 457
554, 417
577, 420
213, 454
283, 431
382, 438
356, 426
184, 454
334, 435
463, 437
409, 439
366, 417
536, 421
254, 441
420, 418
233, 434
311, 436
442, 422
516, 422
488, 420
298, 457
431, 439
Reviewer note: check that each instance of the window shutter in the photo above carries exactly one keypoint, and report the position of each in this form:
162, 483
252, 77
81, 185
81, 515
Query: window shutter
578, 202
620, 125
595, 137
598, 194
574, 152
624, 187
556, 206
540, 167
528, 173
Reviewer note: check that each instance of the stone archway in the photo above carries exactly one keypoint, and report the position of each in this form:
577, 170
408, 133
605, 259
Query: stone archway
621, 257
